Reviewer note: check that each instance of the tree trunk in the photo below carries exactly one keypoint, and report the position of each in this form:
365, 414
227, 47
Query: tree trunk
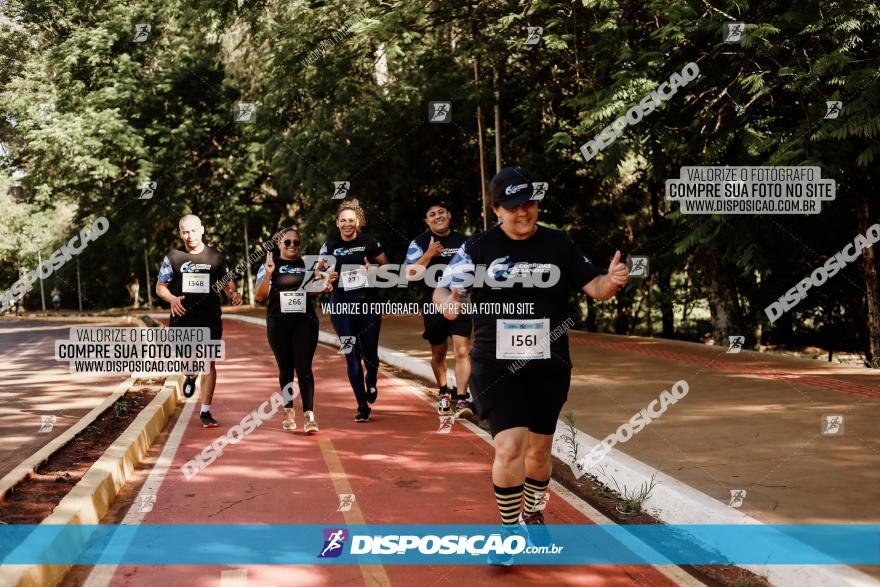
622, 319
720, 284
496, 84
591, 315
872, 289
664, 275
484, 181
664, 282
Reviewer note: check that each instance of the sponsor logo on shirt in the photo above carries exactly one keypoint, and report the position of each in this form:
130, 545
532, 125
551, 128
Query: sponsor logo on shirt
501, 268
190, 267
341, 251
290, 269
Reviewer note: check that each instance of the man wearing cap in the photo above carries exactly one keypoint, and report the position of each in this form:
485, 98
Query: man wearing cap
436, 246
521, 369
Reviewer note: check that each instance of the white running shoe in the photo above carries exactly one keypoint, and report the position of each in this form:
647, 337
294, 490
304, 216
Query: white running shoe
310, 424
289, 422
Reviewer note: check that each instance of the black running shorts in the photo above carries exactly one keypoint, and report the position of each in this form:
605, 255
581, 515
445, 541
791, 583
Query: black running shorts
438, 328
187, 321
531, 396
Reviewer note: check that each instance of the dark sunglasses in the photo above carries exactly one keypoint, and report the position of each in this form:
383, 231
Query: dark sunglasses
289, 242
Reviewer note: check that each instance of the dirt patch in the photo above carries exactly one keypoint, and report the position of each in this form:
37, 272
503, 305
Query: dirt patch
34, 498
608, 503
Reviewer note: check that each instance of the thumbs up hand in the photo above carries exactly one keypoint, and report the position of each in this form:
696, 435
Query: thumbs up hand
617, 271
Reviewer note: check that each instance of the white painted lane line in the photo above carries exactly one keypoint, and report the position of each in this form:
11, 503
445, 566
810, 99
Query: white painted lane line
102, 574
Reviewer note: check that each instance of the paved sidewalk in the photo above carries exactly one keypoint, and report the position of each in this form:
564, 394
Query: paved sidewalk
397, 466
750, 421
36, 385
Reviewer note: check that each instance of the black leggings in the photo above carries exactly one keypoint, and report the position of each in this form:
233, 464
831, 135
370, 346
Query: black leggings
365, 327
294, 343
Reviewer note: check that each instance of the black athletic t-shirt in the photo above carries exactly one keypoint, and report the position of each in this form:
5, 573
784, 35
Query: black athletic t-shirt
194, 277
287, 278
501, 259
351, 286
419, 245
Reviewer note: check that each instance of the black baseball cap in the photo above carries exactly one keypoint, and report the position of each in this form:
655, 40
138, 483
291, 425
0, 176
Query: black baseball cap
434, 201
511, 187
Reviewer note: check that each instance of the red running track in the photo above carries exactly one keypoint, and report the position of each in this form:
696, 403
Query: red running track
398, 467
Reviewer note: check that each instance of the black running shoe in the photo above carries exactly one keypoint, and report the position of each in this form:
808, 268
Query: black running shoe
189, 386
444, 405
538, 534
208, 420
363, 415
372, 394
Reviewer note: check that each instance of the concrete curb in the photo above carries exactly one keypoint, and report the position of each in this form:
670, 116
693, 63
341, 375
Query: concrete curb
671, 502
90, 499
27, 466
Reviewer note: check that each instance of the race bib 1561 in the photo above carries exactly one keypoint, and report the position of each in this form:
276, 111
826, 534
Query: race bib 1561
522, 339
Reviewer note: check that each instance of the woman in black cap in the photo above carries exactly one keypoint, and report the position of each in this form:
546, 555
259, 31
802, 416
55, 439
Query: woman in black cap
521, 368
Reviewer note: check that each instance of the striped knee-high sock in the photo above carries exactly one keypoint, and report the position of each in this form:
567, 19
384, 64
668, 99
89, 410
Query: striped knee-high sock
533, 490
509, 501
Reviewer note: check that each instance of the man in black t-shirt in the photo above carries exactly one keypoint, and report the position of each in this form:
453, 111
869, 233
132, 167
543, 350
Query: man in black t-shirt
429, 252
186, 281
522, 274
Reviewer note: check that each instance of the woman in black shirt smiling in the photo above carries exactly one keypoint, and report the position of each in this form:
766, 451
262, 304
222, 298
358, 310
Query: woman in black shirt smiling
358, 329
291, 323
